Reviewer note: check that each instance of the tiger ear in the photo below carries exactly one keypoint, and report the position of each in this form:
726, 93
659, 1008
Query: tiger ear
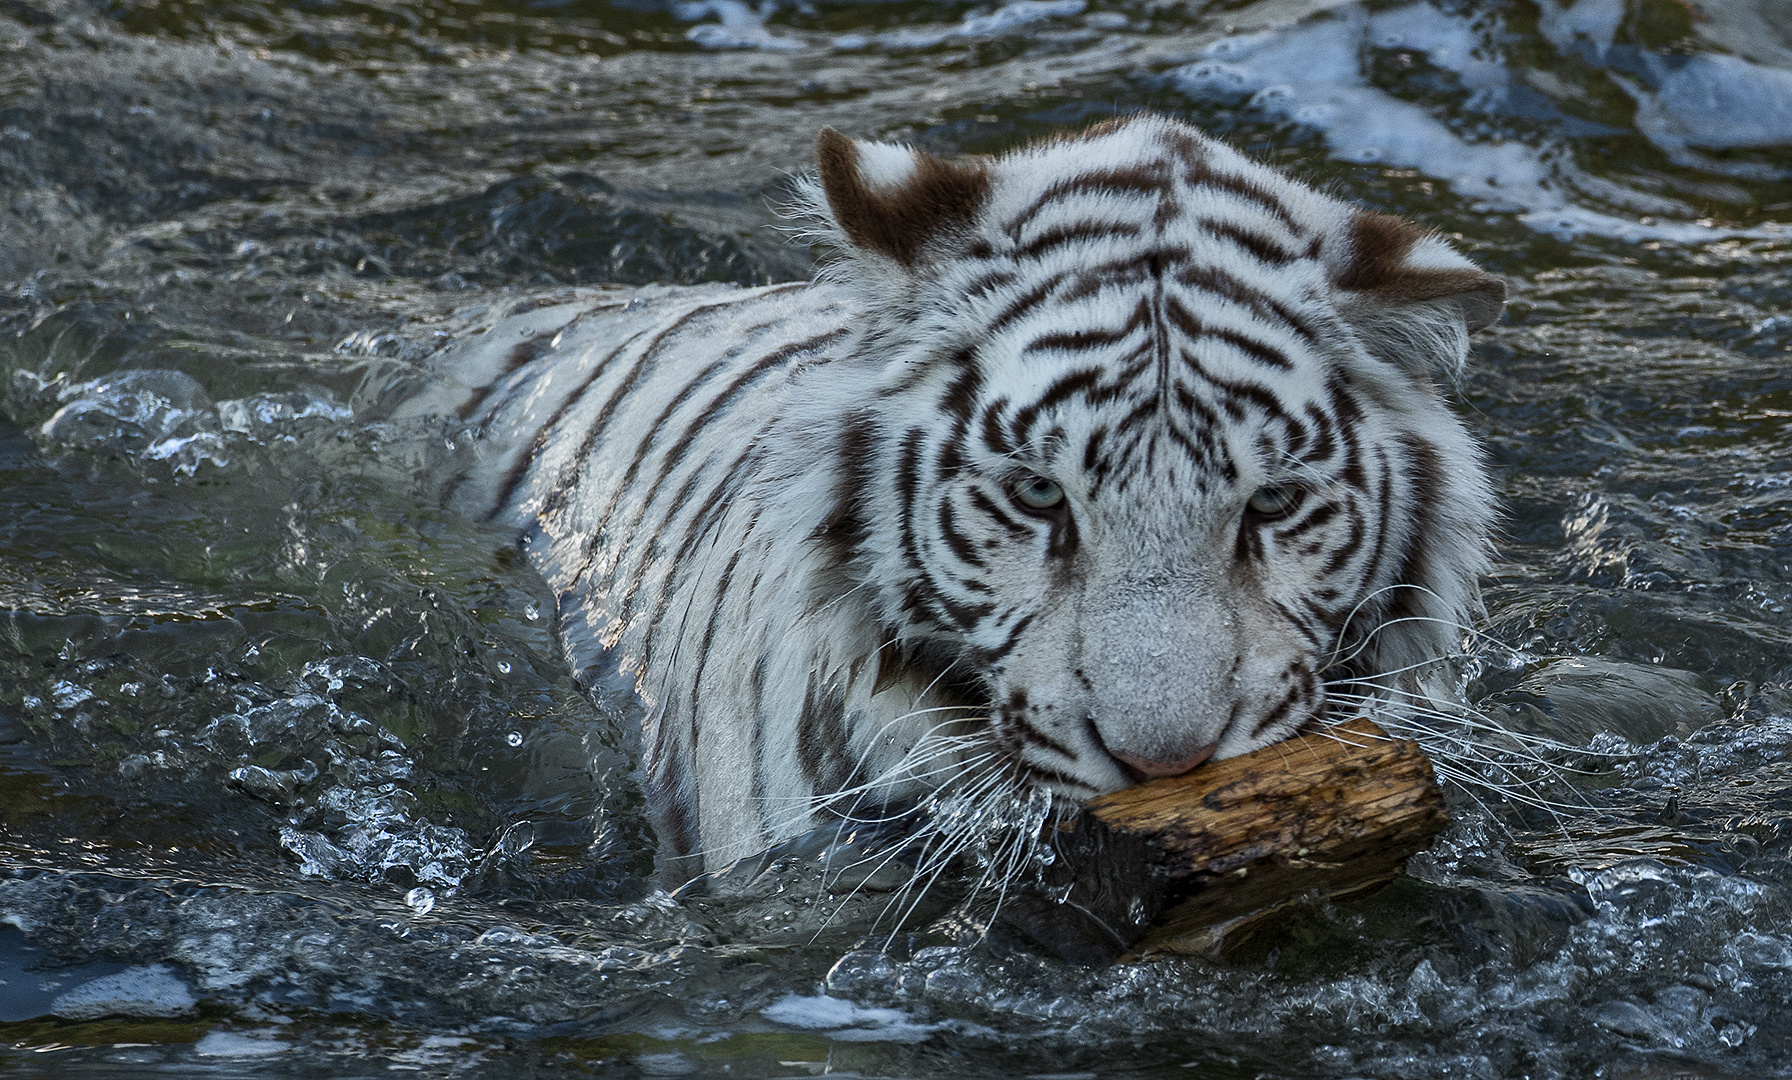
1412, 296
894, 200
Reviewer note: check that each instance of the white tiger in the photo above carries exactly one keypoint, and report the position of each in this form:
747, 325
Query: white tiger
1081, 465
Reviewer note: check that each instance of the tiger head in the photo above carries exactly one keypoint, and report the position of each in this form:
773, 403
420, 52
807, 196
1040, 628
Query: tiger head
1148, 445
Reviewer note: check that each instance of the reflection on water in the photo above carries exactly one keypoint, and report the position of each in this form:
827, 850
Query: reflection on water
293, 782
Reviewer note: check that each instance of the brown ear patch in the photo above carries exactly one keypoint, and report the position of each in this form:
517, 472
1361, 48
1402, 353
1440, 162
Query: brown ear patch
899, 221
1379, 244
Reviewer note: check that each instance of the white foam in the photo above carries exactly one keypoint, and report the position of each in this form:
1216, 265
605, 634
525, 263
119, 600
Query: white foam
740, 26
1007, 19
1022, 13
1312, 74
231, 1044
1717, 103
846, 1022
1594, 21
1721, 102
152, 991
1709, 101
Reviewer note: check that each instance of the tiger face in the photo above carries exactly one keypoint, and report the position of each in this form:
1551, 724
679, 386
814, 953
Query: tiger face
1152, 450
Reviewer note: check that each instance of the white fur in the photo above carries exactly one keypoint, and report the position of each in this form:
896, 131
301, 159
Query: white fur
1180, 645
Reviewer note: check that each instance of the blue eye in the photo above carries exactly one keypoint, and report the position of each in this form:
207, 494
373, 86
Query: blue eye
1274, 500
1037, 493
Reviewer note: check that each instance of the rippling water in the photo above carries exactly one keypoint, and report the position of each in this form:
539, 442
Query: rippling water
293, 782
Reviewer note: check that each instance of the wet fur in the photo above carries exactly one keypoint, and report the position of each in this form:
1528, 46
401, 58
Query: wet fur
785, 516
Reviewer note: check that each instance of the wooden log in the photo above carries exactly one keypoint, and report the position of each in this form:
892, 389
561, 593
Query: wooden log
1176, 864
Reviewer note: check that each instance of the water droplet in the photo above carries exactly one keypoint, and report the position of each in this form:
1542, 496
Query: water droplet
531, 613
515, 738
420, 900
503, 667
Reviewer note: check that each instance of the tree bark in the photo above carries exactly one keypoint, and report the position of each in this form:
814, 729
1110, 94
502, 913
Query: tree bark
1176, 864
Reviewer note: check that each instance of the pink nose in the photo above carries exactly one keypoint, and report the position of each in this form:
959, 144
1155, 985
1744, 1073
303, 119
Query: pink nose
1151, 770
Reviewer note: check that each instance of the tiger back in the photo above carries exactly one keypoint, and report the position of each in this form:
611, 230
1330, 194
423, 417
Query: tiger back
1078, 466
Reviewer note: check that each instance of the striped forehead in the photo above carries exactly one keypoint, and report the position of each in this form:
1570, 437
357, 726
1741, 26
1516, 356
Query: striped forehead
1197, 410
1151, 179
1149, 282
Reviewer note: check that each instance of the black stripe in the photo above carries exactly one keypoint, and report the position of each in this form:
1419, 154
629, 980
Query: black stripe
1138, 180
983, 503
675, 454
993, 436
989, 282
1299, 692
649, 499
1314, 639
1213, 280
709, 629
1353, 541
822, 738
1187, 322
721, 496
521, 353
1264, 248
1062, 543
1032, 736
957, 541
1081, 381
557, 497
1060, 235
668, 783
988, 656
959, 399
1425, 478
519, 469
1201, 174
1236, 392
1385, 504
845, 527
1318, 514
1092, 448
1025, 302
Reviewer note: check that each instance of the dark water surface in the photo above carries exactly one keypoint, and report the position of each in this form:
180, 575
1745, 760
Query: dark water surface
293, 782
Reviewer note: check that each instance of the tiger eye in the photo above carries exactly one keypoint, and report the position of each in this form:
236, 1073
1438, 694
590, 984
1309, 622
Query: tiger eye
1037, 493
1274, 500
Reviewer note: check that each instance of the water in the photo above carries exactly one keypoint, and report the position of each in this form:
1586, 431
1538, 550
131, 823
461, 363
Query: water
292, 781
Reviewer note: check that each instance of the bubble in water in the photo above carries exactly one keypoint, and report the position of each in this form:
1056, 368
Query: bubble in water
1759, 950
518, 838
503, 667
421, 900
515, 738
531, 613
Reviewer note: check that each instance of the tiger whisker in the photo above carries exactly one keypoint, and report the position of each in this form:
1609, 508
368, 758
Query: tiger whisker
939, 858
1463, 716
1448, 751
904, 771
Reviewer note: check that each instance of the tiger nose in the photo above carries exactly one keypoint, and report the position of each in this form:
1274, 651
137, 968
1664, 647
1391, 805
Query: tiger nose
1143, 768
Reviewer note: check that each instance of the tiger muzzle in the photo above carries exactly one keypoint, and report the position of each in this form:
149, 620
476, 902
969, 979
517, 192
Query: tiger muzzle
1146, 769
1165, 681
